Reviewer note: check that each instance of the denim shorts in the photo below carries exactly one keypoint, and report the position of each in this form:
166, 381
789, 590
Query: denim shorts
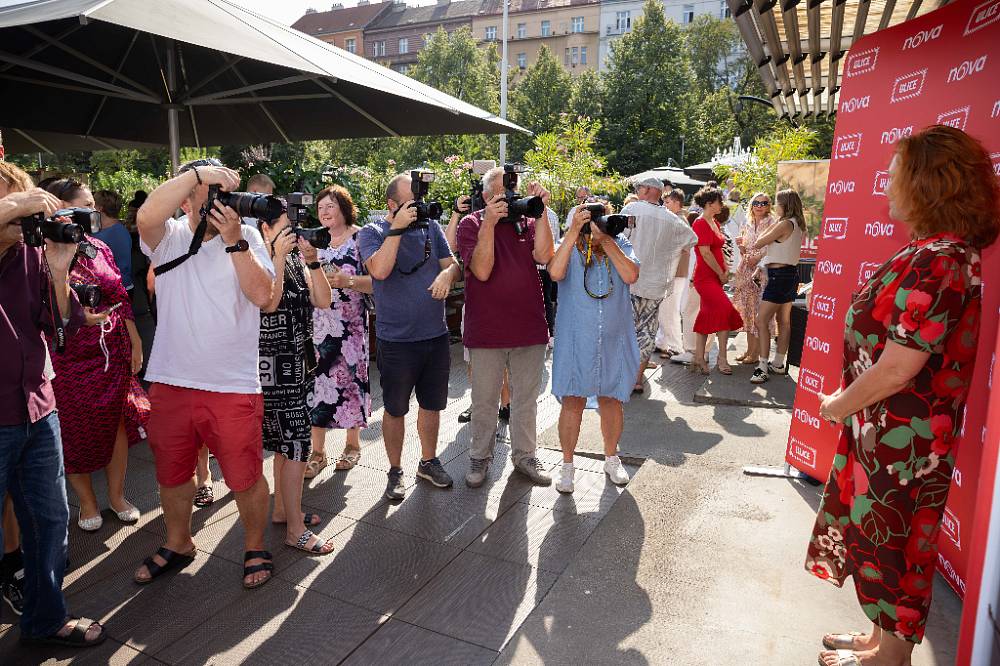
782, 284
405, 367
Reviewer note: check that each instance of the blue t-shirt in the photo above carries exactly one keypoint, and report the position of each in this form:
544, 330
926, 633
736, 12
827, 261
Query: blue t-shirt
404, 308
119, 240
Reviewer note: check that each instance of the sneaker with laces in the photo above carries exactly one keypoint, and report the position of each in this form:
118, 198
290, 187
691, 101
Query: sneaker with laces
758, 376
565, 482
478, 471
432, 470
13, 592
534, 470
615, 471
777, 369
394, 489
465, 416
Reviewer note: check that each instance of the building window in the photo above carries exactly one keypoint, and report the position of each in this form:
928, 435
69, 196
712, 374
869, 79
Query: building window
577, 24
724, 11
378, 48
404, 45
522, 61
583, 55
623, 21
351, 45
687, 15
403, 69
566, 58
522, 30
575, 57
491, 33
546, 29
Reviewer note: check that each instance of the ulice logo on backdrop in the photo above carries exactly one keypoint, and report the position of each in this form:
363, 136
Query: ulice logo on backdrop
951, 527
881, 182
802, 452
922, 37
908, 86
896, 133
811, 381
956, 118
855, 104
835, 228
823, 306
861, 62
877, 229
867, 270
984, 14
848, 145
841, 187
966, 68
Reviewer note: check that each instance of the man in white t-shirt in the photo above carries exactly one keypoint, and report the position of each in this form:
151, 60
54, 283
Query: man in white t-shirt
203, 366
658, 238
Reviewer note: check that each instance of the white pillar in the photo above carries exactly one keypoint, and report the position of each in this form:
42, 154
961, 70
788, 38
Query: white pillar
503, 79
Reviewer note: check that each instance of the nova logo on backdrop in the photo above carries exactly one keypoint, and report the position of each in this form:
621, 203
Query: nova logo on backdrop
983, 15
835, 228
866, 272
848, 145
896, 133
956, 118
862, 62
823, 306
855, 103
881, 182
811, 381
827, 267
814, 343
807, 418
908, 86
802, 452
967, 68
877, 229
922, 37
841, 187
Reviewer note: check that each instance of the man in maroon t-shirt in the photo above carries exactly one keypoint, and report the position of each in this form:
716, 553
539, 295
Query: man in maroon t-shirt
504, 324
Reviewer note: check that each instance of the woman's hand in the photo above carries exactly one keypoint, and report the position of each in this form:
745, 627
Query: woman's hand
829, 408
283, 243
336, 278
598, 237
309, 253
136, 356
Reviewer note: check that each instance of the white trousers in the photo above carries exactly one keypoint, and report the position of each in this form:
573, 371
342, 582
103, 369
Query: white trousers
669, 334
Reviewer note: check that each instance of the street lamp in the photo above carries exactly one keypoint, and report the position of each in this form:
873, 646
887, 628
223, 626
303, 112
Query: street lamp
503, 81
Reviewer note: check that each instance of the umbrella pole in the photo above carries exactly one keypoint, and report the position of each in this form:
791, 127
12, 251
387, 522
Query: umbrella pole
173, 110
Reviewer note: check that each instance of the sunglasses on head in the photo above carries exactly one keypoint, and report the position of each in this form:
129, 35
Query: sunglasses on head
761, 204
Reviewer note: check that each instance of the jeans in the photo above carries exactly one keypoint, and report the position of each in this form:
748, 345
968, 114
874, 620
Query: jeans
31, 470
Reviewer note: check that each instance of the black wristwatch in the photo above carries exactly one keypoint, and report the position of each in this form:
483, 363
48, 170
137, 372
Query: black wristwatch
313, 265
241, 246
395, 232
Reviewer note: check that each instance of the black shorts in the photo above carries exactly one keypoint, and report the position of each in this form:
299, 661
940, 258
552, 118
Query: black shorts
782, 284
407, 366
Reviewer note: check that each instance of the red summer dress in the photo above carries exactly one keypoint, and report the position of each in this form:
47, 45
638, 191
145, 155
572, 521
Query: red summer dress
716, 312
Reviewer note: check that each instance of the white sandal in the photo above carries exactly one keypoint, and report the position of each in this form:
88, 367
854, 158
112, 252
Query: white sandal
844, 658
841, 641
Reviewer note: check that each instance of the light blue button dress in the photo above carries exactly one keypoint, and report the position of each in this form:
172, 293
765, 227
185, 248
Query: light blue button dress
595, 352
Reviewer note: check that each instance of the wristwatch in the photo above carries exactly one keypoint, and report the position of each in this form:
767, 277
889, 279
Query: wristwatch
241, 246
313, 265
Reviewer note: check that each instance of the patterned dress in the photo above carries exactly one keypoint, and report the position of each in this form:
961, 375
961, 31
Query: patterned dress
94, 385
882, 506
342, 398
747, 292
287, 365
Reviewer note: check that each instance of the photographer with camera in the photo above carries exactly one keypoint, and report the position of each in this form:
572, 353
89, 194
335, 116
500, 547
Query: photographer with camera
659, 238
595, 353
36, 301
412, 270
505, 326
213, 277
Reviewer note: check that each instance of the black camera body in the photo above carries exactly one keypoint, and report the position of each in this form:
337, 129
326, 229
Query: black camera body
297, 207
519, 207
420, 185
89, 294
612, 225
246, 204
476, 199
37, 228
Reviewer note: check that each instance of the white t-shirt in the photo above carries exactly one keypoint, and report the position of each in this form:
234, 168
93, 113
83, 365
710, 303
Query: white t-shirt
206, 330
658, 239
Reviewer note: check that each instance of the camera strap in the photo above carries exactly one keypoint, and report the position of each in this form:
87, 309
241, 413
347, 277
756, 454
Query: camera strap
199, 236
58, 330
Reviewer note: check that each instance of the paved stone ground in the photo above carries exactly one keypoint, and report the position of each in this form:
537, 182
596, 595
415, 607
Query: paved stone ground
692, 563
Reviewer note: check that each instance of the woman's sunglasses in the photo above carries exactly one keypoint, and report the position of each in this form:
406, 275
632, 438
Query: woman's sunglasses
761, 204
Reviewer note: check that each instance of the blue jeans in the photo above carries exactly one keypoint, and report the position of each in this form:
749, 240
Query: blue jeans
31, 470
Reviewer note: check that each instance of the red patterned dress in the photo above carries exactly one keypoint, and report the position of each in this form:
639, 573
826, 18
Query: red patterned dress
882, 506
93, 399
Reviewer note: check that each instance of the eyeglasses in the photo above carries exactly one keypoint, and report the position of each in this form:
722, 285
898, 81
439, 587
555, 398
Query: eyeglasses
761, 204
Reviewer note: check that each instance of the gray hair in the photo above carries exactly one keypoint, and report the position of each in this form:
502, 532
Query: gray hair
490, 177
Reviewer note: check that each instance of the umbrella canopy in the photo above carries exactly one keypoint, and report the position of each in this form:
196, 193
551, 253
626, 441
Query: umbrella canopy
674, 175
198, 73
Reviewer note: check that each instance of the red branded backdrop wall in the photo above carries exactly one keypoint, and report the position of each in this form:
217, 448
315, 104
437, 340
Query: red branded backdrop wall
943, 67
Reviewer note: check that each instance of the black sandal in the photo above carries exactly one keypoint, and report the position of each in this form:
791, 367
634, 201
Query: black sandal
204, 497
252, 569
172, 559
77, 637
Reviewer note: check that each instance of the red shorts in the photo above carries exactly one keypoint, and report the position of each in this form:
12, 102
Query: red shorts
229, 424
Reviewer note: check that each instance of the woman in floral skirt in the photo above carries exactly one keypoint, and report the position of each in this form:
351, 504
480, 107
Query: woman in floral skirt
910, 347
748, 284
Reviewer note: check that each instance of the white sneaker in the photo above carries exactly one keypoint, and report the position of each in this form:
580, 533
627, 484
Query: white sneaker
613, 468
564, 483
684, 358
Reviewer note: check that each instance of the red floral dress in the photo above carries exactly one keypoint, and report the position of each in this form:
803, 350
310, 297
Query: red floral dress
882, 506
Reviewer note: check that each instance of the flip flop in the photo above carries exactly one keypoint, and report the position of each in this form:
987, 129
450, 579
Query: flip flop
844, 658
724, 370
348, 460
317, 548
841, 641
77, 637
254, 568
172, 560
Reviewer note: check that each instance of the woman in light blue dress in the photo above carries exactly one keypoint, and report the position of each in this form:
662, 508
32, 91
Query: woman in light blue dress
595, 353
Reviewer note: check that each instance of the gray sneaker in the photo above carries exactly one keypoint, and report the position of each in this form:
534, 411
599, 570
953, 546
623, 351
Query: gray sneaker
533, 469
478, 470
395, 489
432, 470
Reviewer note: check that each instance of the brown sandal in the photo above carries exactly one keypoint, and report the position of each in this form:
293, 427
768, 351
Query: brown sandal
317, 463
348, 459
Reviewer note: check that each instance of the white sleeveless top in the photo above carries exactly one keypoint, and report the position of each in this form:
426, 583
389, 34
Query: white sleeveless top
787, 251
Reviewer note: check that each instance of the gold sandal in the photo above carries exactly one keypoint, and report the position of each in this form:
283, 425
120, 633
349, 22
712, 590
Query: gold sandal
348, 459
317, 463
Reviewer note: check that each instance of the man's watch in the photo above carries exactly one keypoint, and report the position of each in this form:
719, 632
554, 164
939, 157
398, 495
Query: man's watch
240, 246
313, 265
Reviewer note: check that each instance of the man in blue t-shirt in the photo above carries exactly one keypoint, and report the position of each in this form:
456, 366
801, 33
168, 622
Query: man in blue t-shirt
412, 270
114, 234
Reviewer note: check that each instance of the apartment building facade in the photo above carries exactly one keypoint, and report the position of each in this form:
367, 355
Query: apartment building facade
569, 28
343, 26
395, 38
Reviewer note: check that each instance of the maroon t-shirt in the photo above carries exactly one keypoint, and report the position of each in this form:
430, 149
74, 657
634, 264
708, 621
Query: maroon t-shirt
508, 309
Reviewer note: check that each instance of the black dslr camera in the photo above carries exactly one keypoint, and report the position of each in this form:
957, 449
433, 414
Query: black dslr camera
246, 204
297, 206
37, 228
518, 207
420, 184
612, 225
89, 294
476, 199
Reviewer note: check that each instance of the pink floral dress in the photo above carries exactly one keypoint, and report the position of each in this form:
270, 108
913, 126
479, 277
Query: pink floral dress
342, 396
748, 284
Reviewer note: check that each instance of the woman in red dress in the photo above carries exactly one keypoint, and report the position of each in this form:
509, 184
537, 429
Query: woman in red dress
102, 407
716, 314
910, 347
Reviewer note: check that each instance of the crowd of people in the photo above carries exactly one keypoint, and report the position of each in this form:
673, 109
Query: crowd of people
262, 345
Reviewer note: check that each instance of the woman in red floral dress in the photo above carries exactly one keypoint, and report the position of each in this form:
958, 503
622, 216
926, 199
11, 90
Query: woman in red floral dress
910, 344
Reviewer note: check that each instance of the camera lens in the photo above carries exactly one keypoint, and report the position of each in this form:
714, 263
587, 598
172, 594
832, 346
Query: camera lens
249, 204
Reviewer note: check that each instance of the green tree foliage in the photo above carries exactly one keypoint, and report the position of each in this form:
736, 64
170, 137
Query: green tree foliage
647, 93
586, 96
538, 99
